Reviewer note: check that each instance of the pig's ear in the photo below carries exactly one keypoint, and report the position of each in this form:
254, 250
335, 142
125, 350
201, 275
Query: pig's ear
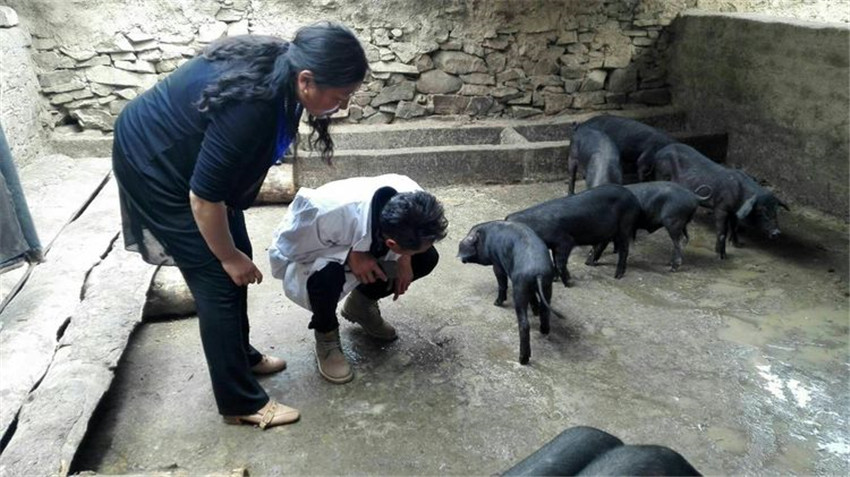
783, 205
746, 208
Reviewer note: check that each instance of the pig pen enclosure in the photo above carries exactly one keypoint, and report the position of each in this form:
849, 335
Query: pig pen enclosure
741, 365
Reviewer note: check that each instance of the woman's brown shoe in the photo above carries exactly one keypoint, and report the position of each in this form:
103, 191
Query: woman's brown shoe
270, 415
268, 365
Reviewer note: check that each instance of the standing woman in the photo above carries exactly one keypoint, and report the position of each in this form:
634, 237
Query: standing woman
189, 156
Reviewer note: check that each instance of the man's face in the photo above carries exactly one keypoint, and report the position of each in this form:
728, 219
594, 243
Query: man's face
396, 248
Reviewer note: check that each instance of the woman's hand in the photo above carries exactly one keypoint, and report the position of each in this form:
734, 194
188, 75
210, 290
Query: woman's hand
364, 266
405, 276
242, 270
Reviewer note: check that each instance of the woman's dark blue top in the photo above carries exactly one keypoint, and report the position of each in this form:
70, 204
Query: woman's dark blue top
165, 147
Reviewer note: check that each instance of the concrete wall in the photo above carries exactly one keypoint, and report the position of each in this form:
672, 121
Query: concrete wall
19, 91
781, 89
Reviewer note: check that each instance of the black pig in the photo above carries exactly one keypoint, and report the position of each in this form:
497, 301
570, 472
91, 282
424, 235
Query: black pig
597, 155
636, 141
585, 450
669, 205
734, 196
593, 217
514, 251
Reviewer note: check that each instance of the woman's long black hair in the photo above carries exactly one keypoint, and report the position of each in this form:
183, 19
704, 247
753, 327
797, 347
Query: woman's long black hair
265, 67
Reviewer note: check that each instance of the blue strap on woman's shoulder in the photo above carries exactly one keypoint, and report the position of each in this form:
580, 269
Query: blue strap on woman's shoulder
283, 138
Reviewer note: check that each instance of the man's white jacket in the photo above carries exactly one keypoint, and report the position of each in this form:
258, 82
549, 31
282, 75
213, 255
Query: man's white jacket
322, 226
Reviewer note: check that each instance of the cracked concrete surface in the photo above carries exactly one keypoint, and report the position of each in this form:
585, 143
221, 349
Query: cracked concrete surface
740, 365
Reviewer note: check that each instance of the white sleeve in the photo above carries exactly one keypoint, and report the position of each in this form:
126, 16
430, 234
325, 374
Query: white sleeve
309, 233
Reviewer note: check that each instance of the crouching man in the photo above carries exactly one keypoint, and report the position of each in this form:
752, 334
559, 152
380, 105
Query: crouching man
370, 236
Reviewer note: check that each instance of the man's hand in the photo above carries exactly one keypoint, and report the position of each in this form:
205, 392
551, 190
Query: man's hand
405, 276
364, 266
242, 270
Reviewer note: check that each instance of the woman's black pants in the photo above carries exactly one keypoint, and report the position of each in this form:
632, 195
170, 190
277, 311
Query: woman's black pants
223, 317
325, 287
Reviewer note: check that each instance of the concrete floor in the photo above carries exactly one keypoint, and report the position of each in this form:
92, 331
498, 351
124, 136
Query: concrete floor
740, 365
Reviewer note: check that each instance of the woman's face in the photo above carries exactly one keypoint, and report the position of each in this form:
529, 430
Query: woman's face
319, 101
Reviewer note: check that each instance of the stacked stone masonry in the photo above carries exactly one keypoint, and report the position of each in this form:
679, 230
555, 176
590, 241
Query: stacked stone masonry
496, 59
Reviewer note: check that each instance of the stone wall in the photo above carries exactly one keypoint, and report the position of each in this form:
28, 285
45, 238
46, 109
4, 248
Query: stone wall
784, 99
19, 91
509, 58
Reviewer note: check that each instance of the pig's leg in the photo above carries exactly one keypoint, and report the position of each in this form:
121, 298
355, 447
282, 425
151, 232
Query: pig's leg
733, 230
595, 253
572, 167
544, 310
502, 280
521, 307
622, 254
675, 229
562, 254
535, 304
721, 222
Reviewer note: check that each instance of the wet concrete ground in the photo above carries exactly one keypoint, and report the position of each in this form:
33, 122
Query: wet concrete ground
741, 365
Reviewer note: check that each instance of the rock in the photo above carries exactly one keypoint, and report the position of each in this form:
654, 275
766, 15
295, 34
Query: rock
116, 106
478, 78
390, 94
571, 73
100, 90
524, 99
407, 110
424, 63
138, 36
594, 81
123, 56
146, 45
511, 136
176, 38
387, 54
118, 44
166, 66
78, 55
229, 15
393, 67
101, 60
151, 55
210, 32
388, 108
567, 38
457, 62
127, 93
571, 85
510, 75
499, 43
506, 93
438, 82
172, 52
378, 118
474, 90
50, 60
137, 66
238, 28
450, 104
8, 17
61, 81
555, 103
61, 98
117, 77
496, 62
94, 119
584, 100
521, 112
623, 80
43, 43
478, 106
406, 52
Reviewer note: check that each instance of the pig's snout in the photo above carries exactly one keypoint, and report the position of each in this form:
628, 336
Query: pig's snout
774, 234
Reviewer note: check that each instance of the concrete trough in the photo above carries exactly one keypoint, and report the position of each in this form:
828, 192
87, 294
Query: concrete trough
493, 153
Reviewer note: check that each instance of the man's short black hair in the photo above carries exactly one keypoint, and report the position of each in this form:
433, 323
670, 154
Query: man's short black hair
413, 219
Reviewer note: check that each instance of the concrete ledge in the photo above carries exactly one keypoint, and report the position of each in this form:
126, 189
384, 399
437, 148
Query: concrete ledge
431, 166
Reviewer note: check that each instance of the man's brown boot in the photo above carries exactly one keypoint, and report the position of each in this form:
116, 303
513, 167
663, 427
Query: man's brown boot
365, 312
332, 363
